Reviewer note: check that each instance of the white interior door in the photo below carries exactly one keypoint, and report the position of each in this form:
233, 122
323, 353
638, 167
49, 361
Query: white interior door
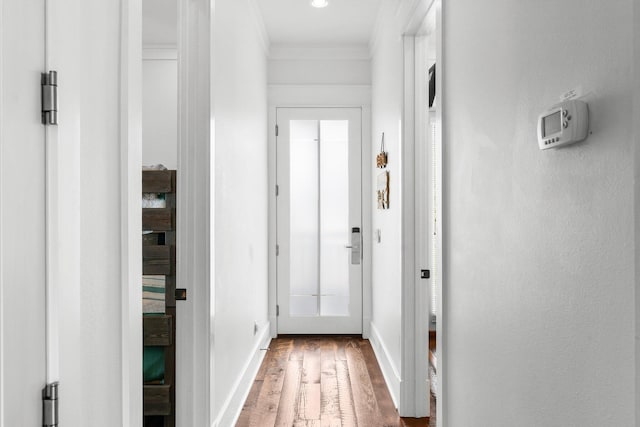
22, 210
319, 266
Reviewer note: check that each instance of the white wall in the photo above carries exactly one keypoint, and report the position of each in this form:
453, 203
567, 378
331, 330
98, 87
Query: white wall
241, 199
160, 109
330, 65
539, 259
636, 113
387, 104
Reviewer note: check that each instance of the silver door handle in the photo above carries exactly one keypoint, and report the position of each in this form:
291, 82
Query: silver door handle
348, 246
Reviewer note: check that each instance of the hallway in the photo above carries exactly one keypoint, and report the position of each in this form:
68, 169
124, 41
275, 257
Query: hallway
321, 381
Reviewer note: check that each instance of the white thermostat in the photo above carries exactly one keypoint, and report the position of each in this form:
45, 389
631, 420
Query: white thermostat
564, 123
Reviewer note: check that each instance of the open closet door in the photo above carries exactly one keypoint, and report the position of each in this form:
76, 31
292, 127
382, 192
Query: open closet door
22, 213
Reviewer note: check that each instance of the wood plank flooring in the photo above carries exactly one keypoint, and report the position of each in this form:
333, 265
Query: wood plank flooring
321, 382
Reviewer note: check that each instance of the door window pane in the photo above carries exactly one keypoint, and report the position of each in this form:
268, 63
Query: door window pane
319, 218
334, 218
303, 211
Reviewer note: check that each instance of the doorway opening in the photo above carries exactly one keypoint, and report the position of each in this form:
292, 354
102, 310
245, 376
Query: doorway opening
428, 114
319, 223
159, 197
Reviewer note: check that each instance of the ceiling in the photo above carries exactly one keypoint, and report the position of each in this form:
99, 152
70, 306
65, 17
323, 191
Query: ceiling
296, 22
289, 22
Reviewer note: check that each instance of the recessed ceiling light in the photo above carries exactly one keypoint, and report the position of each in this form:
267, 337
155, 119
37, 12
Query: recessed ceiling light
319, 3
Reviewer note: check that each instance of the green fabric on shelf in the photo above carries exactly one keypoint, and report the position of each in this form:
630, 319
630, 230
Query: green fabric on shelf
153, 364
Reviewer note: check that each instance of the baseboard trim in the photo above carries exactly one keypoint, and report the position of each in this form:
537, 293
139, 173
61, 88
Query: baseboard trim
366, 328
232, 407
388, 368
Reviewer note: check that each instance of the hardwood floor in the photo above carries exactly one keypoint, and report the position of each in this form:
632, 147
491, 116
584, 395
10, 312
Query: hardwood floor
321, 382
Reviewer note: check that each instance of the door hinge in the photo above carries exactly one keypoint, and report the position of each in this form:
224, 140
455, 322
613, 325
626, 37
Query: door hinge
276, 130
277, 310
49, 92
277, 190
277, 250
50, 405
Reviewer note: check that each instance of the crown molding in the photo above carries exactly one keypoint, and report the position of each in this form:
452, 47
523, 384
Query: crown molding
319, 52
159, 52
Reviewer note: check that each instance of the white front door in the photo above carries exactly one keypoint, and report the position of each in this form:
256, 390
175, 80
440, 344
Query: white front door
22, 214
319, 267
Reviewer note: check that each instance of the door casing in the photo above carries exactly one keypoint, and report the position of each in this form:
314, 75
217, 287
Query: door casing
313, 96
318, 324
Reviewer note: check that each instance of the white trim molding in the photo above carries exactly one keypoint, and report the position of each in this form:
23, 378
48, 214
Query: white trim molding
319, 53
130, 208
389, 370
2, 281
160, 53
194, 226
232, 407
323, 96
414, 389
441, 345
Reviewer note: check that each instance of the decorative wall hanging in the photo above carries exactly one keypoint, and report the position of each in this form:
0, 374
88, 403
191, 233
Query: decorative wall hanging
381, 159
383, 190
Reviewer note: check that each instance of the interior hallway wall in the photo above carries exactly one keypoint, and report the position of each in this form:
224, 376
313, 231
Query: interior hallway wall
387, 107
636, 132
160, 109
539, 275
241, 198
317, 65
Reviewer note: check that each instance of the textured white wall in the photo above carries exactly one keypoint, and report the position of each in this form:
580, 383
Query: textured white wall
160, 112
539, 258
387, 104
241, 202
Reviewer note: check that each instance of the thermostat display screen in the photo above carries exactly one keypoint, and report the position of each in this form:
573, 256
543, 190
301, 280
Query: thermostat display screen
552, 124
564, 123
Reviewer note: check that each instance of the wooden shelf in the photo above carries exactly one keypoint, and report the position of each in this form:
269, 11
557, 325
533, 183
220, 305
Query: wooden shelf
157, 330
159, 181
158, 219
157, 399
158, 259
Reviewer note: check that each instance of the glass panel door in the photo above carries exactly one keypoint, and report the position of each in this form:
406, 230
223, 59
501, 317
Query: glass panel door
319, 284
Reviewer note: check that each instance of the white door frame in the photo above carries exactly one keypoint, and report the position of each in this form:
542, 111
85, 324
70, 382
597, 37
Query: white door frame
195, 222
130, 209
319, 96
414, 388
194, 347
330, 323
